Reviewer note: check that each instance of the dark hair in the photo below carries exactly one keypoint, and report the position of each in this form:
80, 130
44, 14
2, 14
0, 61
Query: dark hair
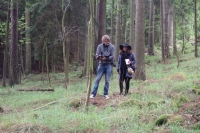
128, 51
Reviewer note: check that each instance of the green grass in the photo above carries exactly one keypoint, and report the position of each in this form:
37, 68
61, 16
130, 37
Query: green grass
158, 95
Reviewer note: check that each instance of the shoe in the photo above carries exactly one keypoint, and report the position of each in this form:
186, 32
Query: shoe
92, 96
106, 96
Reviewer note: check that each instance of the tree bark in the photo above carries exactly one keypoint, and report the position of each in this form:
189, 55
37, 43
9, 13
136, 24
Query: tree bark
28, 41
132, 25
14, 62
102, 20
5, 61
118, 24
139, 40
91, 40
151, 30
195, 27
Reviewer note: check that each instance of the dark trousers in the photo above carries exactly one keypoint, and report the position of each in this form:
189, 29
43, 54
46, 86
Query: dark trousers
122, 79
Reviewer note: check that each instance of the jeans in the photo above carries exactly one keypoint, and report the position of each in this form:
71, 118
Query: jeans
102, 68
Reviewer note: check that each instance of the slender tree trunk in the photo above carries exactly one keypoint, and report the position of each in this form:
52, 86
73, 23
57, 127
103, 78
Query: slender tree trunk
112, 22
14, 68
132, 24
28, 41
124, 17
150, 35
139, 40
91, 40
47, 64
195, 25
117, 37
174, 37
163, 12
5, 61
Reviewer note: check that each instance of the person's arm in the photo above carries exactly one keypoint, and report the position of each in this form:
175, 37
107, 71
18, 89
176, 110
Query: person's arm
112, 52
118, 63
133, 59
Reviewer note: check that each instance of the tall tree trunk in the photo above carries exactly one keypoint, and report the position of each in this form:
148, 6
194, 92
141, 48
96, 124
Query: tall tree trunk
174, 36
14, 62
5, 61
117, 36
139, 40
151, 30
132, 24
91, 41
124, 17
163, 12
195, 27
28, 41
64, 9
102, 20
46, 61
112, 21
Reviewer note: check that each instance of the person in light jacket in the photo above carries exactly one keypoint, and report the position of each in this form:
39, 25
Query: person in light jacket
125, 54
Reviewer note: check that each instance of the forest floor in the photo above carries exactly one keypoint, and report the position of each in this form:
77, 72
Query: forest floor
168, 101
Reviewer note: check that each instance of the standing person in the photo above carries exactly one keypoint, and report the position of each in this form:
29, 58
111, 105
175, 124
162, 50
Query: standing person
125, 54
105, 55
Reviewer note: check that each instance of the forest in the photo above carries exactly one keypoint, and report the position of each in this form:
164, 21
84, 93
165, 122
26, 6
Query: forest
47, 66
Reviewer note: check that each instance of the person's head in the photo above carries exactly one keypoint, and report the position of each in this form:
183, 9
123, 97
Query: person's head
105, 39
125, 48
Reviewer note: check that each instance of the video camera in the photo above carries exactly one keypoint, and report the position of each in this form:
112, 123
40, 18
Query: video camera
107, 57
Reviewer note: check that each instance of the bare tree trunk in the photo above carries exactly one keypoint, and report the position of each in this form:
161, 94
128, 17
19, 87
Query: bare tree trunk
14, 68
124, 17
64, 9
5, 61
112, 22
150, 35
47, 64
132, 25
139, 40
91, 40
28, 42
195, 27
174, 36
102, 20
117, 36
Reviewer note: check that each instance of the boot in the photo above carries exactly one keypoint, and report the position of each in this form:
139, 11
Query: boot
126, 92
121, 87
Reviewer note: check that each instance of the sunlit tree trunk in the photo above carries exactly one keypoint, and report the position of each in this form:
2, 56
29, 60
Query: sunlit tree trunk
139, 40
14, 62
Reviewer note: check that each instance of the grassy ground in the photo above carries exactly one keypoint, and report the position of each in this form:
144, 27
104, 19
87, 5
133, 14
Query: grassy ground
165, 103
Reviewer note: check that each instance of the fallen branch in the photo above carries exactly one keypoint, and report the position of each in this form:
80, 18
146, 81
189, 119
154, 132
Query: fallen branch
36, 89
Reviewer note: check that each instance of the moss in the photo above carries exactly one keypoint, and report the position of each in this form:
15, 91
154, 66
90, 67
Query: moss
162, 119
180, 99
131, 102
175, 118
169, 119
155, 102
75, 104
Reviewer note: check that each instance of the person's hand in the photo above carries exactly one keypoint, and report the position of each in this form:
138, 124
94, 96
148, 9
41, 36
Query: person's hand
104, 58
96, 57
129, 62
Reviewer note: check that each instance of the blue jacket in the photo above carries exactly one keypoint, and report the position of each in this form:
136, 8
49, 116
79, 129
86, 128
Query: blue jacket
133, 61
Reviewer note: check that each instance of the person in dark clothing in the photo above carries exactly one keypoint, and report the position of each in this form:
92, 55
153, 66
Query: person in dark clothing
126, 58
